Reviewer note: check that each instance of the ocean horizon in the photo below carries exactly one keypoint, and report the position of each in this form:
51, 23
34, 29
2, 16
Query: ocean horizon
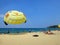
16, 30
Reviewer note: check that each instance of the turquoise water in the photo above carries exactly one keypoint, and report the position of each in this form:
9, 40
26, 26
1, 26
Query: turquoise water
18, 30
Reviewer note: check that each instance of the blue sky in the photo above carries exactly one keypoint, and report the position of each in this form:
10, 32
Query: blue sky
39, 13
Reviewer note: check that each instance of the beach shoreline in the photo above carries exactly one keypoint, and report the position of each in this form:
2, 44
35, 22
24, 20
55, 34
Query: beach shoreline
29, 39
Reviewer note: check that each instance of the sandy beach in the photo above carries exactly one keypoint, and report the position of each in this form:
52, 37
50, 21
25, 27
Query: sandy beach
28, 39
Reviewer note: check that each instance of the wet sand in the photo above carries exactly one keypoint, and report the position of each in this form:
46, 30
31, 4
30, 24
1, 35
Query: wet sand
28, 39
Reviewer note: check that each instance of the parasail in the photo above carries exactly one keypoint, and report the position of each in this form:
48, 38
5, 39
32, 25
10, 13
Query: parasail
14, 17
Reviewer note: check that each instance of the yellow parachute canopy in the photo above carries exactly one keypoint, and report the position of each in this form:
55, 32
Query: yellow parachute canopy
14, 17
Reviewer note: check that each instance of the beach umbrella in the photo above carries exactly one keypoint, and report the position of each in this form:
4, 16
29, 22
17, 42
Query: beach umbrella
14, 17
58, 26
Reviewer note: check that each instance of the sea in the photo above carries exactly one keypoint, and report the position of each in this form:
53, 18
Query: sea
20, 30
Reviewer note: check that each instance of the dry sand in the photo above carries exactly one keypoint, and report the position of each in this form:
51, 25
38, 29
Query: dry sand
28, 39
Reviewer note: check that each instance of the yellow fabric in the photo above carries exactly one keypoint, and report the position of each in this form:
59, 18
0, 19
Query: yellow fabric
59, 26
14, 17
